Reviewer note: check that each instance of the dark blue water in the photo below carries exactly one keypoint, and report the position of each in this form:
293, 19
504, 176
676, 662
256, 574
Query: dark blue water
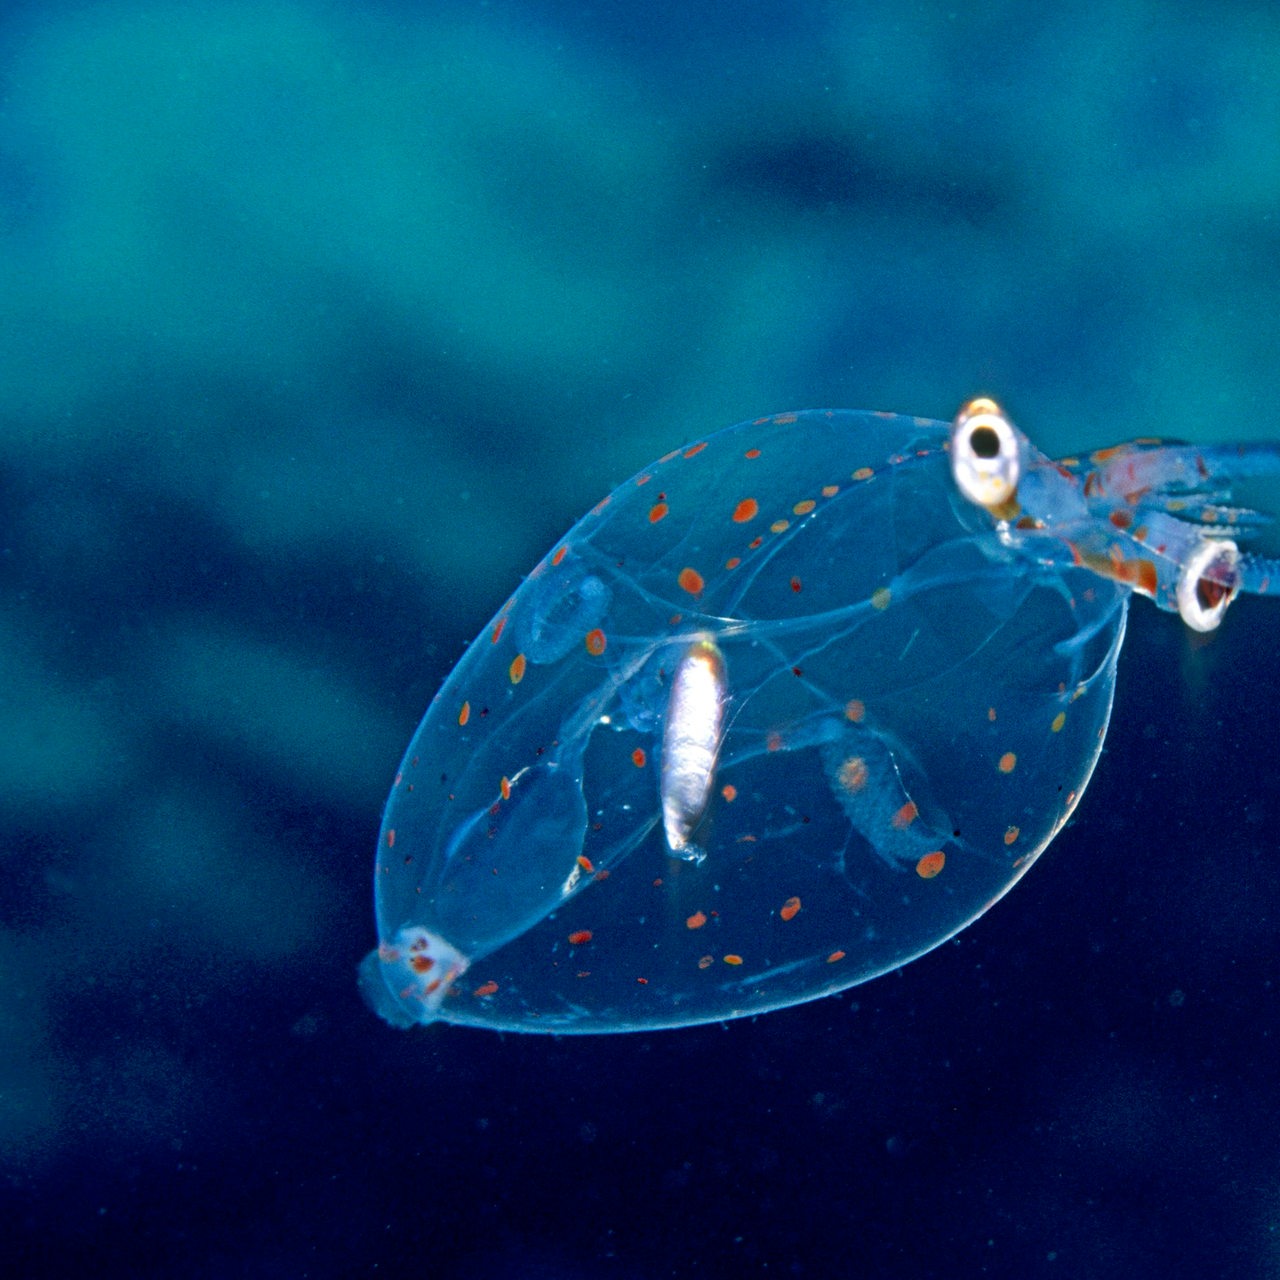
318, 325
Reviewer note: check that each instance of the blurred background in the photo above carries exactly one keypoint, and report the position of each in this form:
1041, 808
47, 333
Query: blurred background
318, 324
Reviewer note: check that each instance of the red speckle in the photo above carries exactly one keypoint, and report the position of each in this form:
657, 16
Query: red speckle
774, 741
905, 816
638, 758
931, 864
696, 921
694, 449
391, 838
585, 863
746, 510
657, 511
580, 936
1011, 834
790, 909
752, 453
732, 562
486, 989
497, 629
691, 581
505, 787
465, 714
595, 642
795, 585
854, 710
835, 956
421, 964
730, 792
559, 555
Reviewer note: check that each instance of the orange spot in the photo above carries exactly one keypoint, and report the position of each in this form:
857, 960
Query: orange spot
795, 585
830, 490
559, 555
1058, 721
790, 909
852, 774
774, 741
391, 838
497, 629
1011, 835
1007, 762
931, 864
657, 511
696, 921
644, 479
694, 449
991, 714
638, 758
516, 670
465, 714
505, 787
585, 863
486, 989
732, 562
729, 791
746, 510
732, 959
691, 581
779, 525
784, 419
705, 962
803, 508
579, 936
752, 453
905, 816
421, 964
854, 710
595, 642
862, 473
754, 543
602, 874
835, 956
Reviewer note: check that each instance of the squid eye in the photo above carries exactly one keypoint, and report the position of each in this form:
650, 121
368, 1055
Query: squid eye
1208, 582
986, 460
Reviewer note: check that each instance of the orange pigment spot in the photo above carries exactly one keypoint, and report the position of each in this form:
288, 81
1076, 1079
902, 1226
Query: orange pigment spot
732, 562
991, 714
1058, 721
638, 758
579, 936
696, 921
657, 511
1008, 762
729, 791
790, 909
746, 510
905, 816
516, 670
854, 710
830, 490
835, 956
693, 450
497, 629
595, 642
705, 962
803, 508
487, 989
784, 419
505, 787
559, 555
691, 581
931, 864
752, 453
862, 473
391, 838
774, 741
465, 714
795, 584
779, 525
585, 863
1011, 835
852, 774
421, 964
732, 959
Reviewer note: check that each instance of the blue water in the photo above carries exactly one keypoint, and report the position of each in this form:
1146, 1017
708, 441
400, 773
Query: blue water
318, 325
